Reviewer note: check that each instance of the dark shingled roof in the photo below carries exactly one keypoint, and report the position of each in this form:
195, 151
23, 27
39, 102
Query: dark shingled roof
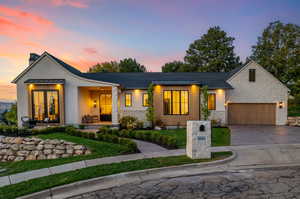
135, 80
142, 80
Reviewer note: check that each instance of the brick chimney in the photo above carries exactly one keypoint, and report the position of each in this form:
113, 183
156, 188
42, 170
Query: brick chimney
33, 57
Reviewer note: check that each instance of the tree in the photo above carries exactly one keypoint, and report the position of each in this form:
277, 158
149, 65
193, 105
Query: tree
278, 50
10, 117
150, 110
204, 103
177, 66
112, 66
131, 65
213, 52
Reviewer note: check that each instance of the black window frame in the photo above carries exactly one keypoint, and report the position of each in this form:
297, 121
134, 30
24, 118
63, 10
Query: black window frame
188, 102
130, 99
45, 104
252, 75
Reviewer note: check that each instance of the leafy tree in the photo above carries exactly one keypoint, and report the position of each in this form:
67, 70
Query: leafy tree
131, 65
10, 117
213, 52
178, 66
204, 103
278, 50
112, 66
150, 109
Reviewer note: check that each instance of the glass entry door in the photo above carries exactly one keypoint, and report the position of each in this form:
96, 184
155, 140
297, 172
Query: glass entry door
105, 107
45, 106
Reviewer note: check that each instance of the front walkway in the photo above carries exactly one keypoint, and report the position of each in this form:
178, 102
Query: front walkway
148, 147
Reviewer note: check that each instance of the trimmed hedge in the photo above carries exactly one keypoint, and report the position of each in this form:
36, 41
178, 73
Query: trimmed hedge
14, 131
163, 140
106, 137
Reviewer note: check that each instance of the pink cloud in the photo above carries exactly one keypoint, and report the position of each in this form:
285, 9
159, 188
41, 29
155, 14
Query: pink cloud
7, 91
57, 3
90, 51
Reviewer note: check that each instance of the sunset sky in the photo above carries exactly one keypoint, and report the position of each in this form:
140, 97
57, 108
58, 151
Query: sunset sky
83, 32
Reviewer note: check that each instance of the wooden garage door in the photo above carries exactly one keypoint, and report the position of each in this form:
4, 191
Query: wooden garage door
244, 113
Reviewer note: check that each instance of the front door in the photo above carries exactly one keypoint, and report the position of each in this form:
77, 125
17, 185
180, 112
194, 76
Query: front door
45, 106
105, 107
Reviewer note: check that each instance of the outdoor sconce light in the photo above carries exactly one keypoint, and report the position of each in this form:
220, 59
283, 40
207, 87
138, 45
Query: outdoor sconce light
95, 104
202, 127
280, 104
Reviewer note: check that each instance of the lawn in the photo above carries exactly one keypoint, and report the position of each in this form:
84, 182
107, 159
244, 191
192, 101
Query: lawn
99, 149
35, 185
220, 136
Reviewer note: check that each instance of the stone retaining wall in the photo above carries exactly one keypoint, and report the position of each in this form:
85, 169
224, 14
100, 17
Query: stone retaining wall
294, 121
18, 148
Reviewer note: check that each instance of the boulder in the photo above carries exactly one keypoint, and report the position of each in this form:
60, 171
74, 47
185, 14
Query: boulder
78, 152
41, 157
31, 157
15, 147
59, 152
70, 151
18, 140
78, 147
65, 155
47, 151
11, 158
51, 156
23, 153
40, 147
48, 146
29, 147
19, 158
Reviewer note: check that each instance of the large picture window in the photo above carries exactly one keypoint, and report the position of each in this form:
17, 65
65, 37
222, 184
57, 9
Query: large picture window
145, 99
211, 103
176, 102
45, 106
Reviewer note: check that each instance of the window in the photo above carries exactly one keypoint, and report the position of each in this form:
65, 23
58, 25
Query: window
251, 75
145, 99
211, 102
45, 105
176, 102
128, 99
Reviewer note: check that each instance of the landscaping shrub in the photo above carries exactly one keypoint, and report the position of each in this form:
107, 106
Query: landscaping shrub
129, 122
14, 131
163, 140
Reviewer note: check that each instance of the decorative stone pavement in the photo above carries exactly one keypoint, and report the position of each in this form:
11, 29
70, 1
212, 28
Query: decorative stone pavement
283, 182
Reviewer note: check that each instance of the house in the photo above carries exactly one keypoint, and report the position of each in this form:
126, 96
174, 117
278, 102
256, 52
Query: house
49, 90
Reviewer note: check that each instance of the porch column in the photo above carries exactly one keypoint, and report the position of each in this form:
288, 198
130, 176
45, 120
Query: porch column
114, 113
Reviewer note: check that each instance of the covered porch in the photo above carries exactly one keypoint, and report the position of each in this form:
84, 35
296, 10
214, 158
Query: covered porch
98, 105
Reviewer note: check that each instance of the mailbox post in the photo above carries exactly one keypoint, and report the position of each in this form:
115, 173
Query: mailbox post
198, 139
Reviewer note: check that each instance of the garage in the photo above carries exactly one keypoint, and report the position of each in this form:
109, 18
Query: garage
251, 113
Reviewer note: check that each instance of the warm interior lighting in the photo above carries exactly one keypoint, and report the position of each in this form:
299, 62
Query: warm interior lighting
31, 86
220, 91
95, 104
58, 86
280, 104
136, 91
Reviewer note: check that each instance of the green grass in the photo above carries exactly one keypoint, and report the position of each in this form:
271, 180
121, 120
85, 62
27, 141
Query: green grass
294, 111
35, 185
220, 136
99, 149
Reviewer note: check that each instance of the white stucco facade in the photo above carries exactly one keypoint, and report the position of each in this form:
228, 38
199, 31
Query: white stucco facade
265, 89
47, 68
79, 99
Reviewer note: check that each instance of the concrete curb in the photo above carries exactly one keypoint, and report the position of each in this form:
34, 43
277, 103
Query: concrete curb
105, 182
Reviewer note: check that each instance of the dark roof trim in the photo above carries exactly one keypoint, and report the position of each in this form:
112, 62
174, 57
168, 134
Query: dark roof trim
45, 81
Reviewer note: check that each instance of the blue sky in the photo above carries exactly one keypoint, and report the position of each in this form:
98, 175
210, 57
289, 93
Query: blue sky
84, 32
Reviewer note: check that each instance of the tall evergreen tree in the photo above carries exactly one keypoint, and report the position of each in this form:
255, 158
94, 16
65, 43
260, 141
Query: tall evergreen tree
177, 66
278, 50
213, 52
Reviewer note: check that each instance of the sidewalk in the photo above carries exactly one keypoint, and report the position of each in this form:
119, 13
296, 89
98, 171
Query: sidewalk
246, 155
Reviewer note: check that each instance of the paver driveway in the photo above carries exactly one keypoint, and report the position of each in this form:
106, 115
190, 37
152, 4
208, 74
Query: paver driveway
257, 135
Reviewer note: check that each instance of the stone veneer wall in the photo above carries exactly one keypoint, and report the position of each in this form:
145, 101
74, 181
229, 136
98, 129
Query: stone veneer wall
18, 148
